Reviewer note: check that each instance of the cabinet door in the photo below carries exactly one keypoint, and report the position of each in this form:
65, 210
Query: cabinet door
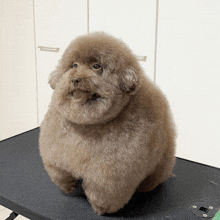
57, 23
18, 97
188, 72
132, 21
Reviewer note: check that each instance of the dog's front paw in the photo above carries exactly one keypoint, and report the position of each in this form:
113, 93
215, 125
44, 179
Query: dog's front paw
104, 208
103, 202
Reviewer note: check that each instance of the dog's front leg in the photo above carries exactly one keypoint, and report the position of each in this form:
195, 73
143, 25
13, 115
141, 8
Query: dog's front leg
61, 178
107, 195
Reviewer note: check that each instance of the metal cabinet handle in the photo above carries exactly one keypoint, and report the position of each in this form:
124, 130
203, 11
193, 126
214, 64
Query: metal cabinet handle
56, 49
142, 58
49, 49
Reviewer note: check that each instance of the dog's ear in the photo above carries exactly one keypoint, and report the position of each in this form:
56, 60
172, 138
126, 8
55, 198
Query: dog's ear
54, 78
129, 81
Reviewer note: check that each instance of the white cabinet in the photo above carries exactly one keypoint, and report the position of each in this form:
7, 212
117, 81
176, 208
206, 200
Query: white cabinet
27, 26
56, 24
188, 71
132, 21
18, 96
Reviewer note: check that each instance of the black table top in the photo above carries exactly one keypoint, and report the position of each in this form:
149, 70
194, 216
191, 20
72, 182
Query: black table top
26, 188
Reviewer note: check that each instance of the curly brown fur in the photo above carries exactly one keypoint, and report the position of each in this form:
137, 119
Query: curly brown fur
107, 124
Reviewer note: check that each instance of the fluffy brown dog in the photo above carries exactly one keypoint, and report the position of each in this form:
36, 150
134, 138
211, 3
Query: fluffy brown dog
107, 124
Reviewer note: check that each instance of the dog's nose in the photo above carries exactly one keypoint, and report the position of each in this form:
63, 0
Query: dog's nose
76, 81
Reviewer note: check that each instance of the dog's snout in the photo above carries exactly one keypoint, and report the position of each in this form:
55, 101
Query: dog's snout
76, 81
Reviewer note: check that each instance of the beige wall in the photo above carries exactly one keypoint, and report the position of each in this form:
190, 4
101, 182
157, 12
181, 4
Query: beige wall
188, 71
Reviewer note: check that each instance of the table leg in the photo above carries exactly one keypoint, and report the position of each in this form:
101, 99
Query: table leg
12, 216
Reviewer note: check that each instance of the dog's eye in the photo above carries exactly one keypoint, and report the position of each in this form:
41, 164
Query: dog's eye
96, 66
75, 65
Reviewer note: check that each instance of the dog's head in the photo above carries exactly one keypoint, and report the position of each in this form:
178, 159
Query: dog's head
94, 79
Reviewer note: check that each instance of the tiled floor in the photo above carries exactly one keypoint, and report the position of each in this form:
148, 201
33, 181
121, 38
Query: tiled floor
4, 214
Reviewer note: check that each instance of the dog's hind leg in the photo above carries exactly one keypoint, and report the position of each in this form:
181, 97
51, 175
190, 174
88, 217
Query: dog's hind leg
162, 172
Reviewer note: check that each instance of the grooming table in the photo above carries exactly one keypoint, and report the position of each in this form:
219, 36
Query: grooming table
26, 188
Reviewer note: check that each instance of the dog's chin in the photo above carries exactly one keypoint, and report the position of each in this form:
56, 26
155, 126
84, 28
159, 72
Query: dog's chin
86, 107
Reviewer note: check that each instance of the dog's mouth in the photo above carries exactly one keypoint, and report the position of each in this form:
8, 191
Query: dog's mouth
94, 97
87, 96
